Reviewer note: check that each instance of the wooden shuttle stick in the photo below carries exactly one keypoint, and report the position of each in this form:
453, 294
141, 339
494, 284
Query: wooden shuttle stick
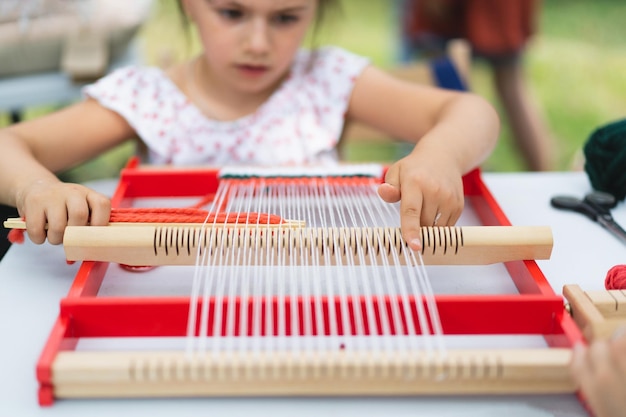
18, 223
154, 374
14, 223
178, 245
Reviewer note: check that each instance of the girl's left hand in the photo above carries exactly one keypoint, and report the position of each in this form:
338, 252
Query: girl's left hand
429, 187
600, 372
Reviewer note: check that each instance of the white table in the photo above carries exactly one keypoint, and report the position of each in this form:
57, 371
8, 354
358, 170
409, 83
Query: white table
34, 278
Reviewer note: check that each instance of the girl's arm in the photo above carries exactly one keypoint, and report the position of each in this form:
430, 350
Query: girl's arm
453, 133
30, 154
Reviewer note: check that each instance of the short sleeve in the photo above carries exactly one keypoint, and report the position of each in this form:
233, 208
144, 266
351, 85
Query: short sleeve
119, 91
145, 98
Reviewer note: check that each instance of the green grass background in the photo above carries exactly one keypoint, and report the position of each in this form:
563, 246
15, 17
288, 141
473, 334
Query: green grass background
575, 64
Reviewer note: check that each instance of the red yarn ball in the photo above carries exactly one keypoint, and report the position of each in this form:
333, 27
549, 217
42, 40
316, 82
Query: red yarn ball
616, 278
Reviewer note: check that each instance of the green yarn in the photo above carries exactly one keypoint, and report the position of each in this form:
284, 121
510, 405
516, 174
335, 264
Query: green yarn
605, 159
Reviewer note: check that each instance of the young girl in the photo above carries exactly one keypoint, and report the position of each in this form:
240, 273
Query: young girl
252, 97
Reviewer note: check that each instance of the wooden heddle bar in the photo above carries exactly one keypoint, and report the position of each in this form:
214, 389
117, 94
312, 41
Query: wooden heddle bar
182, 245
454, 372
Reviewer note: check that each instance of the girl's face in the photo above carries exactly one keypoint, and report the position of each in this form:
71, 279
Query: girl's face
249, 44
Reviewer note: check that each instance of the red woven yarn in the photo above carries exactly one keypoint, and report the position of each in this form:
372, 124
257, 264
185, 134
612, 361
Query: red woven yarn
16, 235
616, 278
189, 215
174, 215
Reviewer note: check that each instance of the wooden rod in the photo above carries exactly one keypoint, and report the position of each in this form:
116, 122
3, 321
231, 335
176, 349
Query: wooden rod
14, 223
18, 223
150, 374
180, 245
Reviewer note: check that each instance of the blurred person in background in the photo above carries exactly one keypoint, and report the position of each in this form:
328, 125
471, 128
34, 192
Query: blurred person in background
498, 32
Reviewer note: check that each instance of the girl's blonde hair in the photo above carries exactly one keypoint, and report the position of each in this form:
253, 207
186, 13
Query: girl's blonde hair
324, 7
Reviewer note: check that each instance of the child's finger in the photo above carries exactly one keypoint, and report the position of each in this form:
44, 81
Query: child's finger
57, 221
410, 215
430, 214
100, 207
389, 193
36, 226
77, 211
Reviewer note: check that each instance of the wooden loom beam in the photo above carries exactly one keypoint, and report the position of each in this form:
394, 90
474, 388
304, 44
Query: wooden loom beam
149, 374
178, 245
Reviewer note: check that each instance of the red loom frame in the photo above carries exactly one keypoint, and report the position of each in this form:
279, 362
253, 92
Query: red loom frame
535, 310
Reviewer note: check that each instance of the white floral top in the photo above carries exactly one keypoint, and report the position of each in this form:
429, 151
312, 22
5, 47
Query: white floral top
299, 124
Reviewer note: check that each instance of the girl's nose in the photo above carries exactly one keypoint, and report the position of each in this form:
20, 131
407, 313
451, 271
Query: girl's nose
258, 41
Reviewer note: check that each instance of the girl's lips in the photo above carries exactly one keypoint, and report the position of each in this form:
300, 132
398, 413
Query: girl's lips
252, 70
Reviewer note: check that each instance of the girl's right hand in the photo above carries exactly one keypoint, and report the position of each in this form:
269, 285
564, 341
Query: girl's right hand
48, 206
600, 372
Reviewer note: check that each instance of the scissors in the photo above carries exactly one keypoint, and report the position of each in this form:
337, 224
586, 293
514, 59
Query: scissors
596, 206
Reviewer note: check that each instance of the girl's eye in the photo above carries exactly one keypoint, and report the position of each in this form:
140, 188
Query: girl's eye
285, 19
231, 14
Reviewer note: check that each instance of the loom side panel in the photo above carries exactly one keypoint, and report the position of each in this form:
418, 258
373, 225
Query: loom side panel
166, 316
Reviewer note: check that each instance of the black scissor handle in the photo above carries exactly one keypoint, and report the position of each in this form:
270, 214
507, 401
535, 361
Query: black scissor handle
594, 204
605, 200
565, 202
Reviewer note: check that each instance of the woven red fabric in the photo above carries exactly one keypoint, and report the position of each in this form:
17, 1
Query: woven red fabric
174, 215
189, 215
